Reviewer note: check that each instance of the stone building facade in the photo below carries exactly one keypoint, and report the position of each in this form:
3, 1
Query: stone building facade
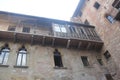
36, 48
105, 16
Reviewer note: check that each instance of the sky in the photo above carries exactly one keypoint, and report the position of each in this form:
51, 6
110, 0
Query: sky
56, 9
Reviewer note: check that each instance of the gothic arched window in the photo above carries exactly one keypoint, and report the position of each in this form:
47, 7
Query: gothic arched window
22, 57
4, 53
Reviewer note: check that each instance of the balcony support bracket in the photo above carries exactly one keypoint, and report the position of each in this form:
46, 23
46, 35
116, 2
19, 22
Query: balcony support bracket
32, 39
43, 40
68, 44
79, 44
53, 41
15, 37
88, 46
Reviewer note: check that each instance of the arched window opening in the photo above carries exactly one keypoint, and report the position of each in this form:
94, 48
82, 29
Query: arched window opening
4, 53
57, 59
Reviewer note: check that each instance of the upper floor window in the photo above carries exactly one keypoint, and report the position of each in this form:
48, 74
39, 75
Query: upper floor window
117, 17
85, 60
26, 29
11, 28
57, 58
21, 57
59, 28
96, 5
107, 55
4, 53
110, 19
86, 22
116, 4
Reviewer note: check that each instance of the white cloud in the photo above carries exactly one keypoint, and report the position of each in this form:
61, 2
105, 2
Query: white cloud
57, 9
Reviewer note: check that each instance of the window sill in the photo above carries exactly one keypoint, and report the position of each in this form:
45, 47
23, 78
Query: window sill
4, 65
56, 67
88, 66
20, 66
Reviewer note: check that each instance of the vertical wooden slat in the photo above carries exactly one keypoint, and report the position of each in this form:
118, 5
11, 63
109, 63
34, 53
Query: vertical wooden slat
85, 34
91, 34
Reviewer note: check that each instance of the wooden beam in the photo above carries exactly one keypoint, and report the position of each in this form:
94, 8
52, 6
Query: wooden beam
43, 41
68, 43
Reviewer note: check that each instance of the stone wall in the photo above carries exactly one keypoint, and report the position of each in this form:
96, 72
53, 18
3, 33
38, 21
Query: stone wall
109, 32
40, 64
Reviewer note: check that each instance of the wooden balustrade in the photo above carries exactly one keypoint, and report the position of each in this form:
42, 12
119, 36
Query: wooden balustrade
88, 34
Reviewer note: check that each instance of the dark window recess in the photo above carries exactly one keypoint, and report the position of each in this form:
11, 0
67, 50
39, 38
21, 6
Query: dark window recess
11, 28
110, 19
107, 55
96, 5
72, 29
26, 29
108, 77
85, 60
86, 22
57, 59
116, 4
100, 61
117, 17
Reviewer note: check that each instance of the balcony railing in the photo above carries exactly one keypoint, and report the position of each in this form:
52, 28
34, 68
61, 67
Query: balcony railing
69, 40
88, 34
77, 36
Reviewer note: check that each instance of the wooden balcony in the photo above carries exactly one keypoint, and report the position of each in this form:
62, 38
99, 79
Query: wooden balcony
43, 32
63, 40
79, 36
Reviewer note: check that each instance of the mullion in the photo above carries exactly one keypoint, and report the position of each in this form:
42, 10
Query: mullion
21, 58
24, 58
